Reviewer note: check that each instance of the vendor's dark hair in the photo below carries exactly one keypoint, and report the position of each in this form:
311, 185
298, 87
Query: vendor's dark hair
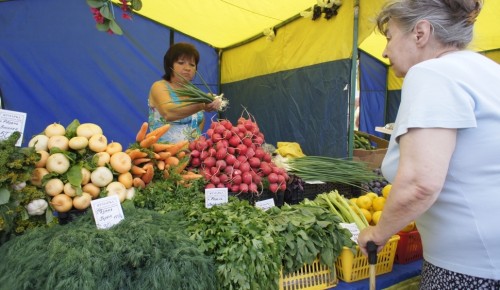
452, 20
174, 53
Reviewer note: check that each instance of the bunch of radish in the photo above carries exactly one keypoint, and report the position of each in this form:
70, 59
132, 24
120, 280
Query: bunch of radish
232, 156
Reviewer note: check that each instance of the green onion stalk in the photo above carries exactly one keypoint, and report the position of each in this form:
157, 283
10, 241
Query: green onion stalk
329, 169
196, 95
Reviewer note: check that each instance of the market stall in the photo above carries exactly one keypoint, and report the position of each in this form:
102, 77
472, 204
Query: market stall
74, 203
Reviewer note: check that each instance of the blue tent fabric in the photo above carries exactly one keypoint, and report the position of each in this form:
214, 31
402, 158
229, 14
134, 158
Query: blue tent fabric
373, 86
306, 105
57, 67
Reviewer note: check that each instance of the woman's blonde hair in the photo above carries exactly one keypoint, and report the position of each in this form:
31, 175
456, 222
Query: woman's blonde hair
452, 20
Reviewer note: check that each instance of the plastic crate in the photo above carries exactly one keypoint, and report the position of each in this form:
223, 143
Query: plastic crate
313, 276
409, 247
311, 190
353, 267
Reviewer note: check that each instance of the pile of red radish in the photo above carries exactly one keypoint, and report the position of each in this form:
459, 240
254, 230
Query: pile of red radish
233, 157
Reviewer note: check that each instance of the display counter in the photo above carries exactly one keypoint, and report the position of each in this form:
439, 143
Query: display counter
399, 273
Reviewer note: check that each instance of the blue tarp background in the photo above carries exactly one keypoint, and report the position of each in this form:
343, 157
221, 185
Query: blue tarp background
373, 88
56, 67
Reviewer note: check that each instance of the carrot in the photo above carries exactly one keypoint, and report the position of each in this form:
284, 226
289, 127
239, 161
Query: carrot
139, 161
158, 147
160, 131
148, 141
181, 154
166, 173
164, 155
177, 147
136, 153
191, 176
136, 170
138, 183
181, 166
172, 161
141, 135
148, 176
160, 164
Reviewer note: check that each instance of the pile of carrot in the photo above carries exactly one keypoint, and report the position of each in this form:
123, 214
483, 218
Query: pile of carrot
151, 157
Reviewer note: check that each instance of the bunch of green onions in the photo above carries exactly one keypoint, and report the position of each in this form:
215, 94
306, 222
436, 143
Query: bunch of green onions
195, 95
329, 169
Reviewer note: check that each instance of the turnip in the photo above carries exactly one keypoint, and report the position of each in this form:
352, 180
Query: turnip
87, 130
57, 163
43, 158
126, 179
54, 187
114, 147
98, 143
61, 203
92, 189
78, 143
117, 188
85, 175
37, 176
54, 129
101, 158
82, 202
121, 162
57, 141
101, 176
39, 142
69, 190
130, 193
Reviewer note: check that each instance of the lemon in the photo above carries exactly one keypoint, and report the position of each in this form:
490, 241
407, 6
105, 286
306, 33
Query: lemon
371, 195
409, 227
376, 217
378, 203
367, 214
364, 202
353, 199
386, 190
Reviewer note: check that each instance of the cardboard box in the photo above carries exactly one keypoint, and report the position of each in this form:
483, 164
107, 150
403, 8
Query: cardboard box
373, 158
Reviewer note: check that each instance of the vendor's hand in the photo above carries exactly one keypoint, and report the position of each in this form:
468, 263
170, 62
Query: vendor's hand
213, 106
370, 234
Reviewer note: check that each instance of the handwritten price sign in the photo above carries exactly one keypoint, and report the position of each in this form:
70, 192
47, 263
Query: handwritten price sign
10, 122
107, 211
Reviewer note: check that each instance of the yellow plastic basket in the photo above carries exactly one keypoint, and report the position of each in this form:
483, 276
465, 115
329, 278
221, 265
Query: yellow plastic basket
353, 267
311, 277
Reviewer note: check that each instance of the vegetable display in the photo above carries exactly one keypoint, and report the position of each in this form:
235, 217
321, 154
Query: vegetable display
232, 156
78, 164
147, 250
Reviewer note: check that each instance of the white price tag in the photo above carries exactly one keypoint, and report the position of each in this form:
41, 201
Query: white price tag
107, 211
11, 121
353, 228
265, 204
215, 196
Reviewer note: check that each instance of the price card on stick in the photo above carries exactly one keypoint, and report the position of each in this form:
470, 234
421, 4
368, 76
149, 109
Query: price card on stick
265, 204
10, 122
215, 196
107, 211
353, 228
